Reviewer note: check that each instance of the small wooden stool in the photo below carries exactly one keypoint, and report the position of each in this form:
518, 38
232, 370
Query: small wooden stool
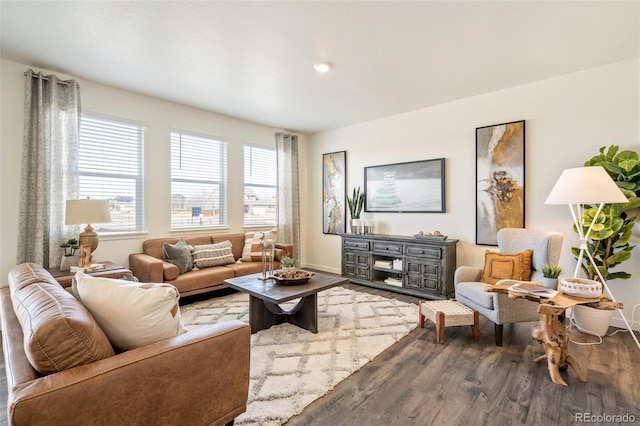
447, 313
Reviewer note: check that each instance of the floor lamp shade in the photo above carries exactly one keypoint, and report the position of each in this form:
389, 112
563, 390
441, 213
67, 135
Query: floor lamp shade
87, 211
585, 185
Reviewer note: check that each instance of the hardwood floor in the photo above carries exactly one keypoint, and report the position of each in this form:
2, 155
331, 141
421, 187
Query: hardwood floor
462, 382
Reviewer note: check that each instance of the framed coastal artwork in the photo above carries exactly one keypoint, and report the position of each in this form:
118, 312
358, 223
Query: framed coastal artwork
414, 187
334, 212
499, 180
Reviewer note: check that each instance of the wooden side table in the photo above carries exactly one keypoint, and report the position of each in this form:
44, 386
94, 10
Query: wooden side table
110, 270
551, 332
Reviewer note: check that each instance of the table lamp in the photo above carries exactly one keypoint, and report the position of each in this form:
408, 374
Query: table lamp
582, 186
87, 211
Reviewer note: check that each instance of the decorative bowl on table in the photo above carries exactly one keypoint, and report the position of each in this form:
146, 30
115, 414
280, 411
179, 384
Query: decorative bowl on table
292, 277
581, 287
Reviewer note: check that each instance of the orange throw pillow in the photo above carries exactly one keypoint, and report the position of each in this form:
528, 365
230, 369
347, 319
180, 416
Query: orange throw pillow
502, 266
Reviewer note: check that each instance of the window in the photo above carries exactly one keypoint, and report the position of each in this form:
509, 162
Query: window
110, 166
260, 175
198, 181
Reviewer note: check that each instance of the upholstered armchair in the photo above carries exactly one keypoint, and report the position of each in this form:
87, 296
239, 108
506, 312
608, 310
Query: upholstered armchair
499, 308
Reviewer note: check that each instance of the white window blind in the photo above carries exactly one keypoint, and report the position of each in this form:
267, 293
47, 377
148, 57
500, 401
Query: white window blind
260, 177
198, 181
110, 166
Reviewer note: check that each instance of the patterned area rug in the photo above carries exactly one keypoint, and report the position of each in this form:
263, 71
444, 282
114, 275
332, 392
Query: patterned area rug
292, 367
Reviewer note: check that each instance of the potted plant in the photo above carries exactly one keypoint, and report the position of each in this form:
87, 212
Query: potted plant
608, 242
288, 262
70, 246
355, 204
550, 274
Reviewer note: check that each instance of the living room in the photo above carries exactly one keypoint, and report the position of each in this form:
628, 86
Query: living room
568, 117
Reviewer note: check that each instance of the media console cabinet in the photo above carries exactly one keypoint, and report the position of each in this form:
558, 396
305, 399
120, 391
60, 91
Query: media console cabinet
423, 267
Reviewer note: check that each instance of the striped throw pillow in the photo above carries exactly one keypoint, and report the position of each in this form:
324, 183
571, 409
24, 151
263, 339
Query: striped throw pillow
207, 255
252, 252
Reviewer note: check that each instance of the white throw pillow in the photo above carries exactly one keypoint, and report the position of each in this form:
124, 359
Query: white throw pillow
131, 314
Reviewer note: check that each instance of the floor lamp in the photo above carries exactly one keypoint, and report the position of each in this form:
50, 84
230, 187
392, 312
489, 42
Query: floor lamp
588, 186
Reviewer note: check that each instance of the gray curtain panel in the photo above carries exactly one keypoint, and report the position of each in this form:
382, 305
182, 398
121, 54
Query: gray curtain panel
288, 191
49, 166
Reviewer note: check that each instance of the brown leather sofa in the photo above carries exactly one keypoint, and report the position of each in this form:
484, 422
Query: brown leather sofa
148, 266
200, 377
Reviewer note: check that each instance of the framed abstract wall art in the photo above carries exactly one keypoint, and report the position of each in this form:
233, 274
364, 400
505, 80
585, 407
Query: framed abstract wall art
499, 180
414, 187
334, 212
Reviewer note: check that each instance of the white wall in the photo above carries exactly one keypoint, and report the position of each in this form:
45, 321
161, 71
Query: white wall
567, 120
159, 117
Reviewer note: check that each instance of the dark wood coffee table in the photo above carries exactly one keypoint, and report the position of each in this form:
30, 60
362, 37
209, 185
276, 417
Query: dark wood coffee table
265, 297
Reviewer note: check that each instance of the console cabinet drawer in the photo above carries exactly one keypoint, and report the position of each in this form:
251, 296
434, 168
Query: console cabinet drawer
356, 244
422, 251
387, 248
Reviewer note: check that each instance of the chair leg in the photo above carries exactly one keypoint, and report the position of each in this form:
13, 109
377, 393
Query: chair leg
230, 423
498, 331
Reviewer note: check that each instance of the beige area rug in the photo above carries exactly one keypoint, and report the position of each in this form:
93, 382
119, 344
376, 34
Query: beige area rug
292, 367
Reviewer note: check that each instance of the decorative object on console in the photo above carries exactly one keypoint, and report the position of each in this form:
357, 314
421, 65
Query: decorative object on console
334, 212
413, 187
87, 211
435, 234
499, 180
579, 188
355, 203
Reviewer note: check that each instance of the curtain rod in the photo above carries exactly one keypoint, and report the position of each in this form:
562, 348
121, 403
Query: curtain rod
34, 75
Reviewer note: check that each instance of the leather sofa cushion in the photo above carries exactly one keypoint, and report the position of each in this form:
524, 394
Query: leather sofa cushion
59, 332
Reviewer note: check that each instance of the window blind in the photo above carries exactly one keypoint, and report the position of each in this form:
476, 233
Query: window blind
260, 177
198, 181
110, 166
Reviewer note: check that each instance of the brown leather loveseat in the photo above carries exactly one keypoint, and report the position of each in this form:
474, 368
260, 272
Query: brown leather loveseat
200, 377
149, 267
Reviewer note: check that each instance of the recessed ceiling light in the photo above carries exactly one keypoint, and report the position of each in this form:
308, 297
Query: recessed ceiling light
322, 66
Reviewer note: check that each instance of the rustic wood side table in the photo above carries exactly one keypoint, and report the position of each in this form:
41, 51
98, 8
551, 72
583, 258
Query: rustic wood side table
551, 332
110, 270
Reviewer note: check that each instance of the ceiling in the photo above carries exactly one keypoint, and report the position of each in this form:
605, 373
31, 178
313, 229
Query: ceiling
254, 60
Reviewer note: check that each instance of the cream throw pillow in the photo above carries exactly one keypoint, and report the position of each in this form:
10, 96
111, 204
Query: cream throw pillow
131, 314
252, 252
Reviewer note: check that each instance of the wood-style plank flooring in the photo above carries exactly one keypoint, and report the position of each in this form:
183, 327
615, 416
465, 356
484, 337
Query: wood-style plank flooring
462, 382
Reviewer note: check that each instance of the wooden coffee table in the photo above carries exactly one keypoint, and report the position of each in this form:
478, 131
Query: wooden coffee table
265, 297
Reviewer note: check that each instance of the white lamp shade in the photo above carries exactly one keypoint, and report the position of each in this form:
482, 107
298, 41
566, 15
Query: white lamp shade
585, 185
80, 212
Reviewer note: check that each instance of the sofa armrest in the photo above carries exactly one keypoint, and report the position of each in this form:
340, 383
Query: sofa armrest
288, 248
147, 269
465, 274
199, 377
